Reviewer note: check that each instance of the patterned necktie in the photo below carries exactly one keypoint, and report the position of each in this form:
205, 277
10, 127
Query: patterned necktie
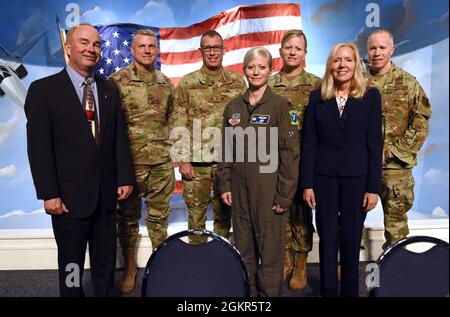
89, 108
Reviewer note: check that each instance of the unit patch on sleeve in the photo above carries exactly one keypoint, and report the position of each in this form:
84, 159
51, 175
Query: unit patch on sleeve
294, 117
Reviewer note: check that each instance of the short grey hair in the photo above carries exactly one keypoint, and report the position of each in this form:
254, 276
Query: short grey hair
146, 32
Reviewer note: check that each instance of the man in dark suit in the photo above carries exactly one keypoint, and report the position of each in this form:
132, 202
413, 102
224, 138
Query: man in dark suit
80, 162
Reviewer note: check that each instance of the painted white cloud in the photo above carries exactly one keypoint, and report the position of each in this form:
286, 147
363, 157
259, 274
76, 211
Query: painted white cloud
439, 212
21, 213
7, 127
440, 78
19, 219
7, 170
97, 15
433, 148
158, 14
196, 5
14, 213
418, 63
435, 176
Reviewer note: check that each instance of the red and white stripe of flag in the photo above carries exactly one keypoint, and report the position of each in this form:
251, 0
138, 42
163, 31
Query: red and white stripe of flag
242, 28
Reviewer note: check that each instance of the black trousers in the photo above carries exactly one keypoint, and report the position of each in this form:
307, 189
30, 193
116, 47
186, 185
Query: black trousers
72, 237
339, 219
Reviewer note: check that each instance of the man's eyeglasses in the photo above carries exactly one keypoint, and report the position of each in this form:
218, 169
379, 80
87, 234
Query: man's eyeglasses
215, 48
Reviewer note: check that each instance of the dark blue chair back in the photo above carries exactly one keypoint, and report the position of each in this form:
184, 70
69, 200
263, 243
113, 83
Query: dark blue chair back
178, 268
404, 273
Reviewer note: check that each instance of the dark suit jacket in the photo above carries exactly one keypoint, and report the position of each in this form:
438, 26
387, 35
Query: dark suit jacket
65, 161
349, 146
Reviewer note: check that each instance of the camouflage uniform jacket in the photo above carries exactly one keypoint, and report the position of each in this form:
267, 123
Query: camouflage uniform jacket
202, 96
296, 91
147, 107
406, 114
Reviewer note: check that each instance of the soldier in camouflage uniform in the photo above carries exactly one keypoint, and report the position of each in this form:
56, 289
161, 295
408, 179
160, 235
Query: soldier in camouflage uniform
295, 84
203, 95
146, 96
406, 114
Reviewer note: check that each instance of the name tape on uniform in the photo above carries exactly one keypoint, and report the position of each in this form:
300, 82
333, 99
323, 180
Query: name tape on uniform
260, 119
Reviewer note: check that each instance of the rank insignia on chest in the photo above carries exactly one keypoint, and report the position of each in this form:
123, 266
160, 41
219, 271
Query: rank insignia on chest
294, 117
235, 119
260, 119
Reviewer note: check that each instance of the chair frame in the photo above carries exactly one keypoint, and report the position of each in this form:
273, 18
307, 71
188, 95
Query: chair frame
403, 243
409, 240
187, 233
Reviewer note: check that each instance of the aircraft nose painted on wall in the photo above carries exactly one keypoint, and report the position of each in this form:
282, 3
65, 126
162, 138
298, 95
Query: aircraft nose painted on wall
12, 71
11, 85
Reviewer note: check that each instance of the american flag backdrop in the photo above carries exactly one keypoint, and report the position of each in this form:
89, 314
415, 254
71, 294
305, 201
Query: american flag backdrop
241, 27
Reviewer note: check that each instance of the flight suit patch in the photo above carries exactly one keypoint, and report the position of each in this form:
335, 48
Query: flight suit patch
260, 119
235, 119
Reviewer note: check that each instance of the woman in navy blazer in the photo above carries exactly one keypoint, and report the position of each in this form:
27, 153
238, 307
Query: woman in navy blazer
341, 165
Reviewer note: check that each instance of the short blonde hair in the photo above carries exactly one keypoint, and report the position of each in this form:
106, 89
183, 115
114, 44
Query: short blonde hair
294, 33
255, 52
358, 83
382, 31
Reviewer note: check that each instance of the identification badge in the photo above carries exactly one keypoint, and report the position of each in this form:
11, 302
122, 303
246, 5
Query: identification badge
260, 119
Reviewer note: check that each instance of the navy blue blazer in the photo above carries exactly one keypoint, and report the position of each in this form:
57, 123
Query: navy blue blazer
349, 146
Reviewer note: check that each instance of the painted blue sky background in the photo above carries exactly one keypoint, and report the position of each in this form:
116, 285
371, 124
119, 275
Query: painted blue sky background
420, 28
415, 23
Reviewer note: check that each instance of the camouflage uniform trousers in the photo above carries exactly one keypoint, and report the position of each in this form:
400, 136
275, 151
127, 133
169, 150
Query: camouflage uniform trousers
299, 228
397, 197
198, 193
156, 184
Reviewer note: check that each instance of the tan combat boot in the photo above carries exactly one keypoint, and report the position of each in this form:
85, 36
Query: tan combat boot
128, 281
287, 263
299, 275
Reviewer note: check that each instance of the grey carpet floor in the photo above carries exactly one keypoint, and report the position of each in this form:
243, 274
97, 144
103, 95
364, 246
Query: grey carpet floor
44, 283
